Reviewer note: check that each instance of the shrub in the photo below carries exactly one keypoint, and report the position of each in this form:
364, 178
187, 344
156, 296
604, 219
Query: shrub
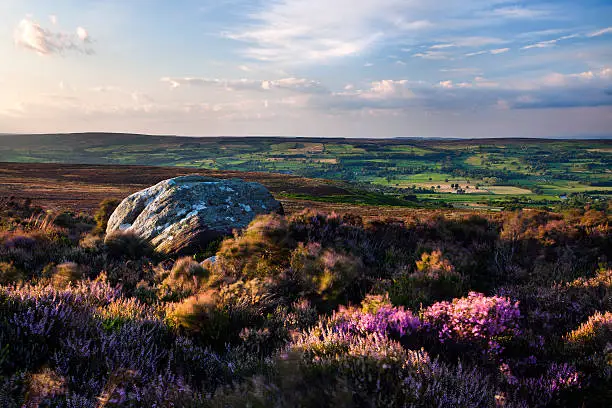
476, 320
65, 274
590, 345
9, 274
103, 214
544, 389
593, 335
378, 372
325, 274
126, 244
92, 242
199, 316
376, 315
434, 280
185, 279
261, 251
122, 310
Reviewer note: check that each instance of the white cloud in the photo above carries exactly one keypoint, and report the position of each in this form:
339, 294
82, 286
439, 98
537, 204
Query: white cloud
601, 32
474, 42
473, 54
433, 55
441, 46
556, 79
300, 31
291, 84
550, 43
31, 36
499, 51
82, 34
519, 13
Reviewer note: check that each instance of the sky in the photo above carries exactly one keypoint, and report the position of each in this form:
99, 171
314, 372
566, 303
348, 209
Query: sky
351, 68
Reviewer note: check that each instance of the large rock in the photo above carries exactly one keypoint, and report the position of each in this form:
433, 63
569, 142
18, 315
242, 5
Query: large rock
184, 214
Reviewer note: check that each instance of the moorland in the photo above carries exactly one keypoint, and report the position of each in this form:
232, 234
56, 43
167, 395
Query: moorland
369, 292
469, 309
485, 173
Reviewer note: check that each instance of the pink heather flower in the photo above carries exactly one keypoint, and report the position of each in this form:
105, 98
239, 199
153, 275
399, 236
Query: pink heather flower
386, 320
475, 318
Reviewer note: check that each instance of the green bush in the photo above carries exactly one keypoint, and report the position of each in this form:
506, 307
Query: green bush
103, 213
434, 280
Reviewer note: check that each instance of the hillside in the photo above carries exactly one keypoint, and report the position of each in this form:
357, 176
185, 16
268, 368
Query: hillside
485, 172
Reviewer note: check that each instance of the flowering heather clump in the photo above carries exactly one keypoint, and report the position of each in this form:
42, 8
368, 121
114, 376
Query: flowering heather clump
379, 372
475, 319
324, 344
376, 315
542, 390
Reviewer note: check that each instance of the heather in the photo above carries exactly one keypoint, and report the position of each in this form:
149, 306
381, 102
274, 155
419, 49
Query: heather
309, 310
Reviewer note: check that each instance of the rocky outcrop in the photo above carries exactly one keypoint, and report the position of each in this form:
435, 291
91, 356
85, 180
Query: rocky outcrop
184, 214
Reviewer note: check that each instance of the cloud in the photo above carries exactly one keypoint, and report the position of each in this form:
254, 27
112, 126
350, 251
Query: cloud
471, 42
601, 32
550, 43
309, 31
499, 51
433, 55
492, 52
291, 84
519, 13
31, 36
586, 89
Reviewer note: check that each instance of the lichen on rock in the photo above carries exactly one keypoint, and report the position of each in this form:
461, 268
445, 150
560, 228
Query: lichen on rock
185, 213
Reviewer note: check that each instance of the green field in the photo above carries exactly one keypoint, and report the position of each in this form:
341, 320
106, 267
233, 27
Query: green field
487, 172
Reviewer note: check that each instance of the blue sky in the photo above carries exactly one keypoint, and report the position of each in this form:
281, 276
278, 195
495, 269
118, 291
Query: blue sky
363, 68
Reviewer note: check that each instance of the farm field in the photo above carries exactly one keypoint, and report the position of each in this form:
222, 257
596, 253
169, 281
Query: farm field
456, 172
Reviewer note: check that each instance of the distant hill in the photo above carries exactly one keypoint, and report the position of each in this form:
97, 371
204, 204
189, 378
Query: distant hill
489, 171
